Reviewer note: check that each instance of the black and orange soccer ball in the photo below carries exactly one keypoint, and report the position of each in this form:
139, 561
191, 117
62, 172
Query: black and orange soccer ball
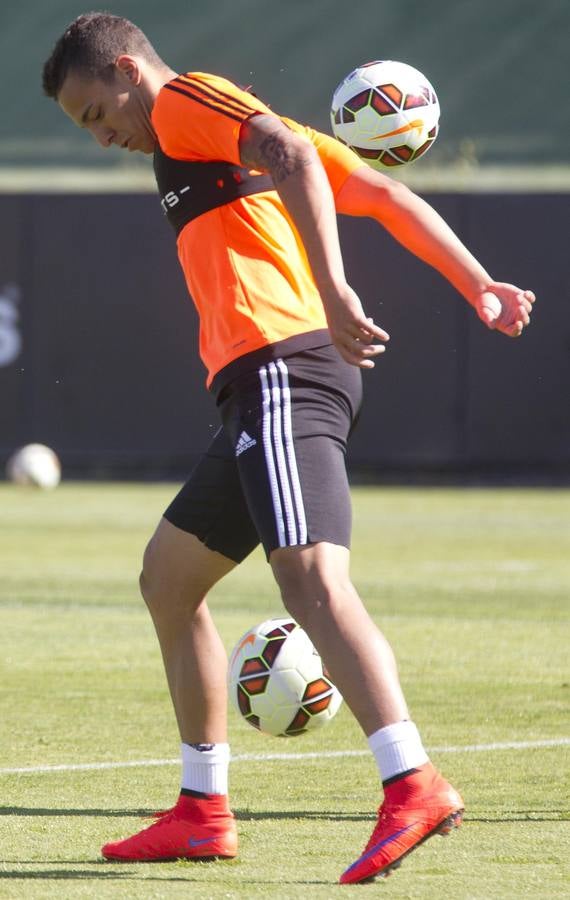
387, 112
277, 680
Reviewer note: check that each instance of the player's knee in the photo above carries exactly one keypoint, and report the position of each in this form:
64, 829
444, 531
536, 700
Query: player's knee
306, 606
147, 580
297, 607
310, 595
318, 571
159, 585
171, 588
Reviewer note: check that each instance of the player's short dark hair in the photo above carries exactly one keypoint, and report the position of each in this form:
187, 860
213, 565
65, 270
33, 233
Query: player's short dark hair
90, 46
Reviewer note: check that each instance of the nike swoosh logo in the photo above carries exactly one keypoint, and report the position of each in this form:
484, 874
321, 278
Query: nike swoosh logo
248, 639
198, 842
383, 843
416, 125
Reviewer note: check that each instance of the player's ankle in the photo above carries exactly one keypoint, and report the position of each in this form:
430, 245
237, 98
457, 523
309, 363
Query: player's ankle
398, 750
202, 808
205, 768
412, 783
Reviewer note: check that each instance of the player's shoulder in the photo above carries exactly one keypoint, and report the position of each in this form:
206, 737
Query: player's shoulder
201, 113
207, 81
212, 80
338, 160
203, 94
207, 88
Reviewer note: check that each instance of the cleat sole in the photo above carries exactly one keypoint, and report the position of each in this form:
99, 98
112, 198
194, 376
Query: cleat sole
453, 820
205, 857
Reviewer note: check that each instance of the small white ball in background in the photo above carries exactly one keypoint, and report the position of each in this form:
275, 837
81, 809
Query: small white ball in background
34, 464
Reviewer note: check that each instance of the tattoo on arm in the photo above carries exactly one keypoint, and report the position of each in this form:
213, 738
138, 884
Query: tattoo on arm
281, 159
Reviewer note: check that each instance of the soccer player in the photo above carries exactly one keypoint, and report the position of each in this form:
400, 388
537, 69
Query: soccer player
252, 197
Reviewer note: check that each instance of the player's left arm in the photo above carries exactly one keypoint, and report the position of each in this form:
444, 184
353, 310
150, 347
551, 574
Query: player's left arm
419, 228
268, 145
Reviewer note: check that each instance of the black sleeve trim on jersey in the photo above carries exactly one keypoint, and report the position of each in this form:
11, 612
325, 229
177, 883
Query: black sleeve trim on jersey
214, 106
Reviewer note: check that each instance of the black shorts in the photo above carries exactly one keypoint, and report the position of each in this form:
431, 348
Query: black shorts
275, 471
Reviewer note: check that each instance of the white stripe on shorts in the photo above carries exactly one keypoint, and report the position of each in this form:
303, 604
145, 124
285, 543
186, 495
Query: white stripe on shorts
279, 451
290, 451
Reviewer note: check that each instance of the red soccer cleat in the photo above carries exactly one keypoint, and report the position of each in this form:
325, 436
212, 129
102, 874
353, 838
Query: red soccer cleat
195, 828
415, 807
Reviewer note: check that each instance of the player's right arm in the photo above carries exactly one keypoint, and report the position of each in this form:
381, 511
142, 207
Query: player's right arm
419, 228
201, 117
268, 145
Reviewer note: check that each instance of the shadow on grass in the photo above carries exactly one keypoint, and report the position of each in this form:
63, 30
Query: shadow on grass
105, 813
241, 815
78, 874
530, 815
108, 871
247, 815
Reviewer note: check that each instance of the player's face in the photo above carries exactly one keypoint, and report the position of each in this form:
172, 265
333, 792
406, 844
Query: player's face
114, 112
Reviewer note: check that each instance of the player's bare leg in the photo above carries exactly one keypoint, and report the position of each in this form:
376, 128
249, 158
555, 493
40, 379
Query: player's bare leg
317, 591
178, 571
177, 574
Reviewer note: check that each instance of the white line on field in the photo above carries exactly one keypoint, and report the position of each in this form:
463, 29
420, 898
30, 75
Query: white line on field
285, 757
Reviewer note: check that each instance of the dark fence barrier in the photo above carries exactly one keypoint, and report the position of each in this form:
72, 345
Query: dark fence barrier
98, 341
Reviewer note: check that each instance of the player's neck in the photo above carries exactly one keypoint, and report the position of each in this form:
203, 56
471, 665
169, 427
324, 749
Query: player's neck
164, 76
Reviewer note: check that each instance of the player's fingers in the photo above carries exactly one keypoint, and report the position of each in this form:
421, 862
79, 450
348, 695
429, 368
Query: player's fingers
502, 287
365, 337
370, 327
361, 349
354, 359
488, 317
515, 330
372, 349
359, 354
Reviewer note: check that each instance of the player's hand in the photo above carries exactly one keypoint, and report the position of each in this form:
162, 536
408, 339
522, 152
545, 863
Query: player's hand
505, 308
354, 335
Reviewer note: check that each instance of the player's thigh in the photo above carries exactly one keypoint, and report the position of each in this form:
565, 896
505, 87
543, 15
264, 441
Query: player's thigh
211, 504
178, 569
289, 423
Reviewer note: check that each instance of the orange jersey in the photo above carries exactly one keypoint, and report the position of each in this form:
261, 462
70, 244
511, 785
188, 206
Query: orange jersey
242, 257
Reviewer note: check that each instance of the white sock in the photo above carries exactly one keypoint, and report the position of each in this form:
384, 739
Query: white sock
205, 770
397, 748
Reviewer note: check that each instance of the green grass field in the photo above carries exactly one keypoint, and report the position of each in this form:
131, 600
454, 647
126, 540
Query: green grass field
472, 588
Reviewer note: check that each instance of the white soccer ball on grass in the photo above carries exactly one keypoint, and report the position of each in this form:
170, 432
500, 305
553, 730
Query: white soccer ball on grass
36, 465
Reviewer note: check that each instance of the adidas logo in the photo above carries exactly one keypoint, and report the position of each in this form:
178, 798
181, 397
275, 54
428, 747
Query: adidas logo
244, 443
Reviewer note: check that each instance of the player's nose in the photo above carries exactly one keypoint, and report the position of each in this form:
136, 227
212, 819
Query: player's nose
104, 136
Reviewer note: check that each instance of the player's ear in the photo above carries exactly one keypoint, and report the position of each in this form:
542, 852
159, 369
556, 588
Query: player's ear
129, 67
